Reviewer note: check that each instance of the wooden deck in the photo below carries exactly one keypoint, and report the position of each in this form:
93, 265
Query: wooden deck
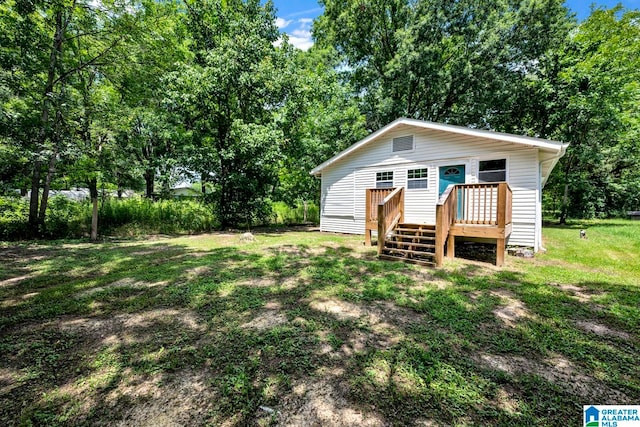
463, 210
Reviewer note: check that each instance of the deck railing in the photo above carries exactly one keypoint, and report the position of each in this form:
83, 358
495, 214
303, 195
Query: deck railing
483, 204
461, 205
374, 197
390, 213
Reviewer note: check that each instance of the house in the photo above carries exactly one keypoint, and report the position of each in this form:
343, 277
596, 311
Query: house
184, 191
431, 168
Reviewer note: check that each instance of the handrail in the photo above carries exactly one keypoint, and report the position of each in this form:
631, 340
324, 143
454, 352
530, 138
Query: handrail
390, 212
445, 216
391, 195
373, 198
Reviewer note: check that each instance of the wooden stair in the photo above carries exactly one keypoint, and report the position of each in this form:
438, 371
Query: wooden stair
412, 243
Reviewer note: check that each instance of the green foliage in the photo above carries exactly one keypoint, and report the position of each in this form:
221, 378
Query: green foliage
13, 218
465, 62
320, 119
142, 216
597, 112
228, 98
66, 218
128, 217
285, 214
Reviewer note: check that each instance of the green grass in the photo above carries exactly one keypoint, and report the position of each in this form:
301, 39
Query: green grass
204, 330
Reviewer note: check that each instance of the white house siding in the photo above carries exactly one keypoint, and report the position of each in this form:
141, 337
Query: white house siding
344, 182
523, 180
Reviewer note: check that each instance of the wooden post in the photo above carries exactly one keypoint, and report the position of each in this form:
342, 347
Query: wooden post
500, 249
401, 206
439, 235
451, 246
502, 204
502, 214
367, 216
381, 228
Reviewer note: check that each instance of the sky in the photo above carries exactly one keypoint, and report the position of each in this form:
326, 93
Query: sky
296, 16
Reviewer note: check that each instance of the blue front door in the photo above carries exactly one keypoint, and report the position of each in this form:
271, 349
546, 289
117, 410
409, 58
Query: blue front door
450, 175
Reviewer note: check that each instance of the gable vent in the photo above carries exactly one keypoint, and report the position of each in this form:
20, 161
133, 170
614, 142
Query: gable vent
403, 143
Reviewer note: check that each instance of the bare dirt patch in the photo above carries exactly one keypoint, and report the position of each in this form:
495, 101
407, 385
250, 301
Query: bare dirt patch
602, 330
342, 310
577, 292
126, 328
322, 401
268, 318
512, 310
556, 369
184, 400
15, 280
127, 282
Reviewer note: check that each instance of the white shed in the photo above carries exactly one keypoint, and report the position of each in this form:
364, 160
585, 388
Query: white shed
424, 159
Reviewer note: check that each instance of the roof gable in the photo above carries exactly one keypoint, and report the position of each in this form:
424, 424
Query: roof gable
556, 149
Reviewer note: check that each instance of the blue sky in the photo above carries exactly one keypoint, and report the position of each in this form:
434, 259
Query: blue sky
295, 16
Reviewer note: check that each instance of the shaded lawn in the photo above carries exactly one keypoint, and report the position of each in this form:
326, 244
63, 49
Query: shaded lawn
207, 329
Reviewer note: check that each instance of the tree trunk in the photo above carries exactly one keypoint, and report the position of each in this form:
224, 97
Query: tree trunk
50, 172
34, 199
565, 204
45, 191
93, 191
56, 49
149, 179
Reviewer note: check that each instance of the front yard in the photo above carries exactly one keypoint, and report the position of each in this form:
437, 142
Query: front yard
303, 328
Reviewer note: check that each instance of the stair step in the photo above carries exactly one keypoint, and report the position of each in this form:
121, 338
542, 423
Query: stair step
411, 252
418, 245
415, 230
411, 236
409, 260
417, 226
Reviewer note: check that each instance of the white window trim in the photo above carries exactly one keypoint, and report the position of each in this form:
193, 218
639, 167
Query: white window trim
492, 157
427, 188
386, 180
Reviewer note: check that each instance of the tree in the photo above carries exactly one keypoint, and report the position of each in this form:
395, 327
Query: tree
55, 28
462, 62
320, 119
228, 98
598, 87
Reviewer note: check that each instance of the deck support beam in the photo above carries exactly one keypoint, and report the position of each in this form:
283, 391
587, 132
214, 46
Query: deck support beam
500, 249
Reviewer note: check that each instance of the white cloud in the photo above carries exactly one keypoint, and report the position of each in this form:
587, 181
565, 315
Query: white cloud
300, 34
282, 23
301, 42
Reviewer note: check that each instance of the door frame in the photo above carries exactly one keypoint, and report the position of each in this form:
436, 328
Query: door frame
452, 162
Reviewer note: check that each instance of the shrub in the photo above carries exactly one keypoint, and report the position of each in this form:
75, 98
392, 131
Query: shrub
14, 217
285, 214
71, 219
141, 216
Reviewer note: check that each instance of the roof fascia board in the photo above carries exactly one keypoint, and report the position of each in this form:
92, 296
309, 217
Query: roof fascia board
557, 148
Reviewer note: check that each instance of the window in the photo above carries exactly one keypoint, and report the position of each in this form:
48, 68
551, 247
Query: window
384, 179
403, 143
417, 178
492, 170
